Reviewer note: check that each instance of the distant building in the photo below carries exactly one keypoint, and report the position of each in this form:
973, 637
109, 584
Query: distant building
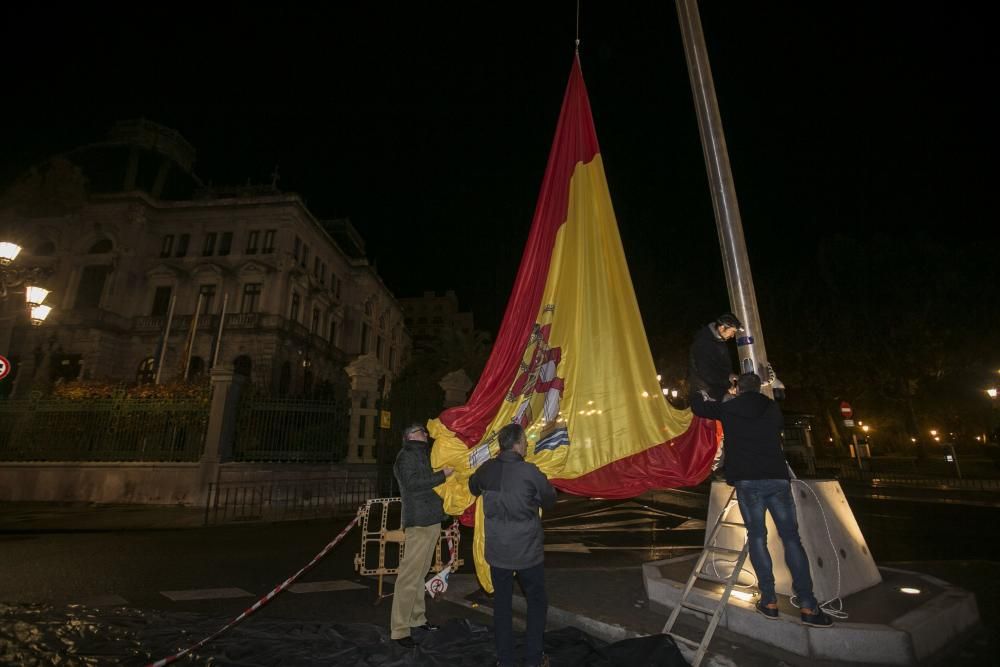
126, 228
430, 315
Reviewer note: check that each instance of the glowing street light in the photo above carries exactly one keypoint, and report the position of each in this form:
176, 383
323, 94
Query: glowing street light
8, 252
992, 392
39, 313
35, 295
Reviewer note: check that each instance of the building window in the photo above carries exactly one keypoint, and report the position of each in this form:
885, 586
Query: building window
196, 368
305, 256
268, 242
45, 249
338, 289
100, 247
378, 347
225, 243
182, 245
392, 358
297, 249
209, 248
251, 298
296, 302
146, 372
315, 321
207, 293
168, 245
88, 295
243, 365
316, 268
161, 301
322, 273
252, 239
364, 338
333, 331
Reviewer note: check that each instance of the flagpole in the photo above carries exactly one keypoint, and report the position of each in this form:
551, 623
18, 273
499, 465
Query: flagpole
166, 338
192, 336
218, 336
739, 281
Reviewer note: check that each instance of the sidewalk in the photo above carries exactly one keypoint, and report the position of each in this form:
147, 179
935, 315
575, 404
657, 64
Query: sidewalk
39, 517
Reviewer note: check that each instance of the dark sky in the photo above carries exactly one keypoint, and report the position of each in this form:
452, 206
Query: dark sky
429, 125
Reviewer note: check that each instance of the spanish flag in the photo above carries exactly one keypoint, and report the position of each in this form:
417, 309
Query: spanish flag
571, 362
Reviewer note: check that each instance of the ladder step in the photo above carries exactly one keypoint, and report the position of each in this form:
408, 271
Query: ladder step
712, 577
685, 640
698, 608
723, 550
733, 524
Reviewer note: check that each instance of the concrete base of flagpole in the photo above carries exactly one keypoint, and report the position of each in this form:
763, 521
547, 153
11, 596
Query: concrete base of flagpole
885, 627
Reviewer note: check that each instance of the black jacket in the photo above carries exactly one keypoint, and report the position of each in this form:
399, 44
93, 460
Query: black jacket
512, 491
421, 506
752, 424
709, 363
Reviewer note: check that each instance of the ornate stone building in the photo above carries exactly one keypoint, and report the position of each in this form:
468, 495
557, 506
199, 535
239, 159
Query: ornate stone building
129, 234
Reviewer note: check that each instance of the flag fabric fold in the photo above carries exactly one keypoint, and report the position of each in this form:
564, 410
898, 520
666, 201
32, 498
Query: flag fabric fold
571, 362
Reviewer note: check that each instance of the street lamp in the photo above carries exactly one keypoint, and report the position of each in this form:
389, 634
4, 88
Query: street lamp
28, 277
992, 392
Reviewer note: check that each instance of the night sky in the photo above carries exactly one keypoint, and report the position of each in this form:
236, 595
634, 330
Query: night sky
429, 125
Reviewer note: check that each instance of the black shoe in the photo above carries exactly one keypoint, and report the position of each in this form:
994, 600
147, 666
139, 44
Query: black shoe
817, 620
428, 627
405, 642
544, 662
766, 611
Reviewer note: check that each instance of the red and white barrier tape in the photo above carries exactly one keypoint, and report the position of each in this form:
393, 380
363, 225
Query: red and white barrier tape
264, 600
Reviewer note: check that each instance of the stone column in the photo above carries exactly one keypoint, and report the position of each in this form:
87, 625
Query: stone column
227, 387
364, 373
456, 387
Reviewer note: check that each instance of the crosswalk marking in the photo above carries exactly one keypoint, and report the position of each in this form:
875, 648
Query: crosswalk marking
326, 586
206, 594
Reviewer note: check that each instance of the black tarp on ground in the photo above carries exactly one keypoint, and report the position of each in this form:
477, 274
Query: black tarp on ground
76, 635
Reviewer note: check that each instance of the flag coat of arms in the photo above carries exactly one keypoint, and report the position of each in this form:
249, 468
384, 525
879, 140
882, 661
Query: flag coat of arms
571, 362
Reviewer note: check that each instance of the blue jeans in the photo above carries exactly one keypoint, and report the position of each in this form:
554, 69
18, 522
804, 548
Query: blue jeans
757, 496
533, 583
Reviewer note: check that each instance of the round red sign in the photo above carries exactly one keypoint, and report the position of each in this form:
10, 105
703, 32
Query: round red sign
4, 367
845, 410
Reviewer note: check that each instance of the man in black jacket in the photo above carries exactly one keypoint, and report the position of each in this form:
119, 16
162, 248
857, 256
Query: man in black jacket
512, 492
755, 465
709, 364
423, 513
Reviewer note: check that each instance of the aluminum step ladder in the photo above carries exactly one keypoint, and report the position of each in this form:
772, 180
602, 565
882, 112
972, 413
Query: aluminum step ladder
715, 613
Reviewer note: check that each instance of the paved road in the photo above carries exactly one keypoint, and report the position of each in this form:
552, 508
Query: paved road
201, 576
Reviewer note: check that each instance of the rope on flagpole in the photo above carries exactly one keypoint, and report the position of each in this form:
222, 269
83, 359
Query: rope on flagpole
264, 600
577, 26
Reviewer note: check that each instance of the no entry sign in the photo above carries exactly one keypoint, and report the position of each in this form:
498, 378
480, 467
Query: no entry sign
4, 367
845, 410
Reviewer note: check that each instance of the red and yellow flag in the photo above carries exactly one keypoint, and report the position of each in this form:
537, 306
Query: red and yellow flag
571, 362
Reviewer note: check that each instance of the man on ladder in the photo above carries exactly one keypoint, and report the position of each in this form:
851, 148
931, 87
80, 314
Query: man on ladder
755, 465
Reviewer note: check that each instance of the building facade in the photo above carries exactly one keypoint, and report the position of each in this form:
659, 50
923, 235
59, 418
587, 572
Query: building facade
135, 245
429, 316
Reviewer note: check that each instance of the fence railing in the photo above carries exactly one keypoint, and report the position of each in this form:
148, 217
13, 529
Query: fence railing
291, 430
913, 480
282, 500
112, 429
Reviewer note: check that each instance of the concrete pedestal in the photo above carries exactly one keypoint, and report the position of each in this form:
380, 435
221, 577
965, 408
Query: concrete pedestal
839, 559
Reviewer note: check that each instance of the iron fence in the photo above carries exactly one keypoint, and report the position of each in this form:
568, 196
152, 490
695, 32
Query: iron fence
914, 480
290, 499
106, 429
291, 430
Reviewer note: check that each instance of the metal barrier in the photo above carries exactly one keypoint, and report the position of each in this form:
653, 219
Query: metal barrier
383, 542
288, 499
291, 430
924, 481
104, 429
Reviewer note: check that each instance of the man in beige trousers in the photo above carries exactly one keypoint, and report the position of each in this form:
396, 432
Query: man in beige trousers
423, 513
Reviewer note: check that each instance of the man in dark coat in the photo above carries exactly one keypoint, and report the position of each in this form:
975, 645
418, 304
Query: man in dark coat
423, 513
513, 491
709, 365
755, 465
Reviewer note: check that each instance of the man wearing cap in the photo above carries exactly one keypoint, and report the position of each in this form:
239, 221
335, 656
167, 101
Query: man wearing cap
710, 368
423, 513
